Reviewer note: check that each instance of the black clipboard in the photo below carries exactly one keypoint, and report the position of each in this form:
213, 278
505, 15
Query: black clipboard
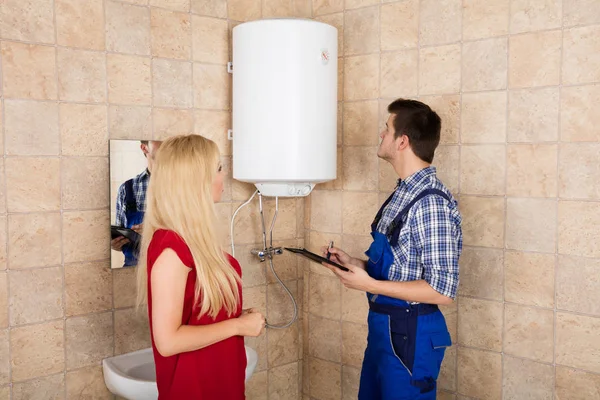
314, 257
118, 231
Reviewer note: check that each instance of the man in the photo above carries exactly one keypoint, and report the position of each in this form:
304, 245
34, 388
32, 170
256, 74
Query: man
131, 205
412, 265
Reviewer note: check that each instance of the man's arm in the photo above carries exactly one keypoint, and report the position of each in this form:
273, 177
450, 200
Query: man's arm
412, 291
120, 218
419, 291
434, 233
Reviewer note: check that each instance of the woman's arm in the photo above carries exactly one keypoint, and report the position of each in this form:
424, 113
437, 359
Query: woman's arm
168, 279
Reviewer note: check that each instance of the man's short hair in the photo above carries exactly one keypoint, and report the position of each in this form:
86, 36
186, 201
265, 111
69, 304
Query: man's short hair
420, 123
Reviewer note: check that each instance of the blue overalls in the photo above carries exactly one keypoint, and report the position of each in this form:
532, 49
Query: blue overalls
406, 343
133, 217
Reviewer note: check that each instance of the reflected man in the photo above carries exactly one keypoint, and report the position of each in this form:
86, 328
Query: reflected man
131, 204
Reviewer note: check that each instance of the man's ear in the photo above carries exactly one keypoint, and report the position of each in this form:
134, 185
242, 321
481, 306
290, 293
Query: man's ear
144, 148
402, 142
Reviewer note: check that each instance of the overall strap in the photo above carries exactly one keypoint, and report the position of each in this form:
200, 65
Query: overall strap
396, 225
130, 203
378, 216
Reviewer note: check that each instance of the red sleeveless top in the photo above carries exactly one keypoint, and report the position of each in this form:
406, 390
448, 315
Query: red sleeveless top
214, 372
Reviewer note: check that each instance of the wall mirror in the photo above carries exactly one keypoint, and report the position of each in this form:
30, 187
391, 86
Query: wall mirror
130, 167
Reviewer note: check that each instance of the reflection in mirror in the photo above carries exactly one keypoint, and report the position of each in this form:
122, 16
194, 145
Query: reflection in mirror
131, 164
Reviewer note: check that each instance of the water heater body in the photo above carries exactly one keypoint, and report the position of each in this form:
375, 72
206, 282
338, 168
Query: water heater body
285, 105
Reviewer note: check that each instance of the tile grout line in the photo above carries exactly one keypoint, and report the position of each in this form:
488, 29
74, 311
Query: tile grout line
97, 261
540, 31
483, 196
105, 51
61, 207
533, 360
193, 102
341, 191
130, 105
459, 194
357, 100
6, 225
109, 135
557, 213
506, 141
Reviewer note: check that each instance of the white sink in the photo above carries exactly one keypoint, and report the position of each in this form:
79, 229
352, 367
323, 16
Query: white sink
133, 376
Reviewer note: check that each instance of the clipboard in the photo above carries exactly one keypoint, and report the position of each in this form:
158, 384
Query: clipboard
118, 231
314, 257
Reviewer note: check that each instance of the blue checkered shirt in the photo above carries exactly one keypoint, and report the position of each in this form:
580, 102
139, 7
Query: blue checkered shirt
430, 240
140, 186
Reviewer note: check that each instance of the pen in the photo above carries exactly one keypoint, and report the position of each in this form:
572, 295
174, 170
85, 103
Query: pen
329, 248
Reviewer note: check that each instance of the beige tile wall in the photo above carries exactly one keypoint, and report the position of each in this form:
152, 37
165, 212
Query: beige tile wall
74, 75
515, 81
517, 84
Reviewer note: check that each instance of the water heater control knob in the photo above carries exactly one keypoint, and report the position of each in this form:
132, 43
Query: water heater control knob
291, 190
306, 190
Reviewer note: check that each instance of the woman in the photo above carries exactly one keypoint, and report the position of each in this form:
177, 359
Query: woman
192, 286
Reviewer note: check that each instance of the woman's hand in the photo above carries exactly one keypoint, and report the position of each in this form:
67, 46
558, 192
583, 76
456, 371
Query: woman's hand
251, 323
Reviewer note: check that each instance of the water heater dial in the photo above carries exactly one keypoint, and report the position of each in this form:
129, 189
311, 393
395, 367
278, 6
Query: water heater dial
299, 189
285, 189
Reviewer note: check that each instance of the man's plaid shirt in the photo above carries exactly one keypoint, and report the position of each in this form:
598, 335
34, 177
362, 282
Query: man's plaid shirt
430, 240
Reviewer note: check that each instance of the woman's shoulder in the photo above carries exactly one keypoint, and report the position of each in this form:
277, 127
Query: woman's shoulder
163, 237
167, 239
162, 234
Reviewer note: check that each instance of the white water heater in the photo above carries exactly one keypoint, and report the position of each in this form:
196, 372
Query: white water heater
284, 105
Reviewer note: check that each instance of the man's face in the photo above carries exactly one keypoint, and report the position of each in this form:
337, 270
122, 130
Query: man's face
387, 147
149, 151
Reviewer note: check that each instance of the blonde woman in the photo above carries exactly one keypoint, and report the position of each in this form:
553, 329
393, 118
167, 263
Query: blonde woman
193, 288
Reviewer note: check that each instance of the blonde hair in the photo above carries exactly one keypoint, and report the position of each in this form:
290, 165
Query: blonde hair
179, 198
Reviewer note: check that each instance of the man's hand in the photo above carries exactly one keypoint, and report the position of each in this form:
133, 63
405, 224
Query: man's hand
138, 228
357, 278
339, 256
118, 243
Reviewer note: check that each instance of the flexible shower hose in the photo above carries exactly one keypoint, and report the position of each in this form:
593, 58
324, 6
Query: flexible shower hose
269, 254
